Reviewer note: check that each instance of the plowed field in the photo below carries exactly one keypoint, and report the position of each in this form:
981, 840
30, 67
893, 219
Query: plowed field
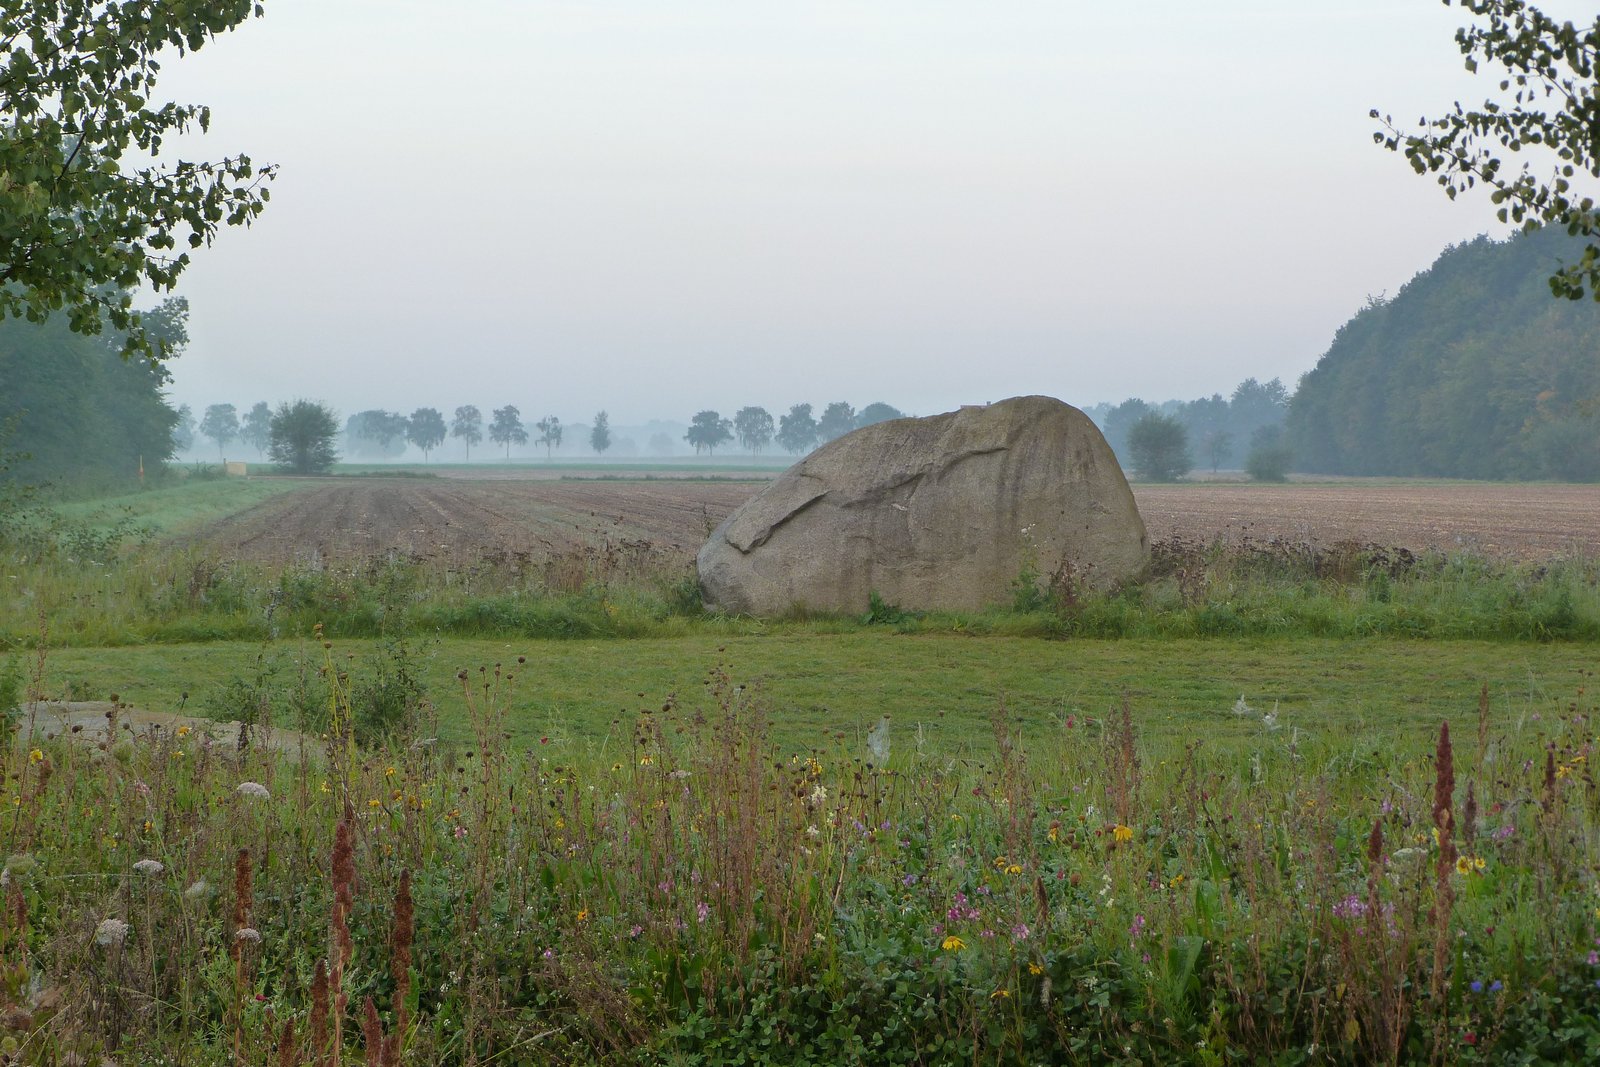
458, 521
1527, 522
664, 522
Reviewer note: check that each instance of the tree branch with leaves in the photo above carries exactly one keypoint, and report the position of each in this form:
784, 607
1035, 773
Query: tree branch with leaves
82, 227
1548, 106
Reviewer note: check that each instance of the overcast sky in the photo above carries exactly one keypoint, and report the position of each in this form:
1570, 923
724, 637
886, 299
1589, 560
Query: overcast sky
657, 207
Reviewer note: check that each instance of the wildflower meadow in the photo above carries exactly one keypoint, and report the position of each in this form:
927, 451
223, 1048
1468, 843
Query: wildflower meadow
700, 894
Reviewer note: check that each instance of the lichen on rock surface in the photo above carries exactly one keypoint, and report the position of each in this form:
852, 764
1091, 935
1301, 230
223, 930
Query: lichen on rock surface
942, 512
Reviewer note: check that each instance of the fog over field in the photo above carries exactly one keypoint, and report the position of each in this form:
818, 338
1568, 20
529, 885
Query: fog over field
652, 209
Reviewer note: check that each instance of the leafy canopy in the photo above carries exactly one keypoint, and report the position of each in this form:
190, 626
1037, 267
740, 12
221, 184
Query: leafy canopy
303, 435
1548, 107
257, 428
221, 424
86, 418
707, 430
797, 431
753, 426
1160, 448
506, 429
426, 430
88, 213
838, 419
600, 433
467, 425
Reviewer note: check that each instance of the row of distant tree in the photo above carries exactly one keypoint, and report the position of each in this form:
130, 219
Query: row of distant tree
377, 433
796, 432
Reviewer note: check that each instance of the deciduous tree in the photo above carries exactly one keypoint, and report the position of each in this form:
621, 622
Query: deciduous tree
1159, 446
221, 424
797, 431
550, 432
838, 419
376, 433
506, 428
467, 425
600, 433
183, 429
425, 429
303, 435
1269, 457
753, 426
707, 430
81, 228
257, 430
878, 412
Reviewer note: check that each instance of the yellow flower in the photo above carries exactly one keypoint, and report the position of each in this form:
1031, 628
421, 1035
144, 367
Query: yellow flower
1121, 834
1463, 864
36, 756
326, 788
953, 944
645, 761
374, 803
1478, 864
1034, 968
1563, 770
1177, 880
388, 772
999, 863
561, 824
583, 915
183, 731
148, 826
1013, 869
1055, 833
1000, 993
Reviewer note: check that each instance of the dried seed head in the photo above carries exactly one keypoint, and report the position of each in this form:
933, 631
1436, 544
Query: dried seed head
319, 1013
111, 932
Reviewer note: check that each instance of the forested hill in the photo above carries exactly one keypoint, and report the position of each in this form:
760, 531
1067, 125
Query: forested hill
1472, 370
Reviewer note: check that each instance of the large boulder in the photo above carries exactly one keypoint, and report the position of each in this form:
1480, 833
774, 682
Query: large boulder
943, 512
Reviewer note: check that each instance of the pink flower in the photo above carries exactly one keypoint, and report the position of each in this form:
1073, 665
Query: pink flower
1351, 907
702, 911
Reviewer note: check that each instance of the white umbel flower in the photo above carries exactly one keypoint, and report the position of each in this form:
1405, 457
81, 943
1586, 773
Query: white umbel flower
111, 932
150, 867
253, 789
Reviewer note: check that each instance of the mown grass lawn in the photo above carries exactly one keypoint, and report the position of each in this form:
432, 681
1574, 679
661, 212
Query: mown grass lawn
819, 686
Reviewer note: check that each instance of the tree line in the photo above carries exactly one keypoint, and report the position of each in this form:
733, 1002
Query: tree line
1165, 441
292, 434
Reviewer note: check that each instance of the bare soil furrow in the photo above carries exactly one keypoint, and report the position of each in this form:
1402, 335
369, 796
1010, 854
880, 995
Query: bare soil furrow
462, 521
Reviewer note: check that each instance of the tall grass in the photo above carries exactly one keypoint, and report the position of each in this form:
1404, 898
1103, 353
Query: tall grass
685, 891
95, 593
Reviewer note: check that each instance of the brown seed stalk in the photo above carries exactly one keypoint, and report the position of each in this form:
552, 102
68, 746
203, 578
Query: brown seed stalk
400, 950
